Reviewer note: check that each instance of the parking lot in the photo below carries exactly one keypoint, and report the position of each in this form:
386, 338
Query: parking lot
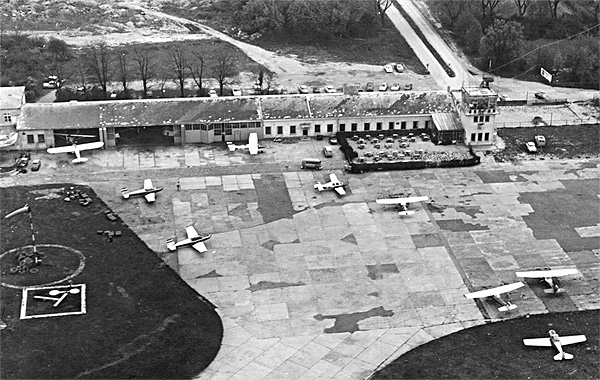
312, 285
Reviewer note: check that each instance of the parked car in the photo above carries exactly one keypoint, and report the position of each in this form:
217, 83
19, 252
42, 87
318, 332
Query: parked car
213, 93
388, 68
236, 90
395, 87
358, 87
329, 89
23, 160
530, 145
333, 140
370, 87
316, 90
327, 151
383, 87
303, 89
35, 165
399, 67
540, 140
540, 95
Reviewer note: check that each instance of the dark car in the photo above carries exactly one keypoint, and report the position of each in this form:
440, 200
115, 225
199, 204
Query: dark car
370, 87
23, 160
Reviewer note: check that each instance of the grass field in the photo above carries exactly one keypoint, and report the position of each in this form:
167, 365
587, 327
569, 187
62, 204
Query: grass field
496, 351
142, 320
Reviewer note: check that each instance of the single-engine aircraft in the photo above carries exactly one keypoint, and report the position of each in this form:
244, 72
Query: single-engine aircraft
252, 145
402, 203
333, 184
74, 148
557, 341
549, 276
193, 239
149, 191
494, 294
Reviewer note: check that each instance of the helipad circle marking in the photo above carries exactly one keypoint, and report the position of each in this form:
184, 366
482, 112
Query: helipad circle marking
67, 278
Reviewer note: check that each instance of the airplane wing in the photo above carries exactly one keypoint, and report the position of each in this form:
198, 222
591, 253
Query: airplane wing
546, 273
495, 291
539, 342
191, 232
396, 201
340, 190
200, 247
88, 146
150, 197
61, 149
572, 339
333, 178
148, 184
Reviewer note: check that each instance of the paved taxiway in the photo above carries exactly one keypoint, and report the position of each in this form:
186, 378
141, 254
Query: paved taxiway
342, 286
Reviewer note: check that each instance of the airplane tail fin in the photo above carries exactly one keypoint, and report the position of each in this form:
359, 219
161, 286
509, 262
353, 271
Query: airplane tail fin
552, 291
79, 160
563, 355
171, 244
125, 192
318, 186
406, 213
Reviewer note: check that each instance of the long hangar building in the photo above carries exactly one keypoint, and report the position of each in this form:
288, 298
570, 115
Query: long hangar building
467, 117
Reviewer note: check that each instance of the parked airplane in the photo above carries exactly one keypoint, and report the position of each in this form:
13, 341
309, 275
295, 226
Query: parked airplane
193, 239
149, 191
77, 149
557, 341
402, 203
333, 184
252, 145
494, 293
549, 276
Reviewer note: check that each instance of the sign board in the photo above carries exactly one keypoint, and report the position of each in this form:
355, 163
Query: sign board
546, 75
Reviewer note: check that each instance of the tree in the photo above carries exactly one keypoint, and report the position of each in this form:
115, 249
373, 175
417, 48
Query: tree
554, 8
488, 8
59, 53
123, 65
224, 69
501, 42
179, 61
144, 63
197, 68
450, 11
98, 59
522, 6
382, 7
469, 32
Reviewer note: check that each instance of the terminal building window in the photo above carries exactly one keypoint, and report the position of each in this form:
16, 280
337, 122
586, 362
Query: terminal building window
317, 128
416, 124
42, 138
403, 125
8, 117
279, 130
267, 130
367, 126
391, 125
30, 139
342, 127
354, 127
329, 128
379, 126
292, 129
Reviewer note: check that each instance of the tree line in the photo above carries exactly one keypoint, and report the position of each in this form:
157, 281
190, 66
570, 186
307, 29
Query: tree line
517, 37
28, 61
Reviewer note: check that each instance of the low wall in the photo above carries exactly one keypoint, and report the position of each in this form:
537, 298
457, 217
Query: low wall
355, 167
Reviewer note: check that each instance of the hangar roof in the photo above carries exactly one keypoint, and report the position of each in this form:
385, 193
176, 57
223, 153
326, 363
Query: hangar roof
10, 97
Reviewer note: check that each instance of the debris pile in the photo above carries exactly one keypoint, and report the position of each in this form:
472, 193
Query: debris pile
28, 262
81, 197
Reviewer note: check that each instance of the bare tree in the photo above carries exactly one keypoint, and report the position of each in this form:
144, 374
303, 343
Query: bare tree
382, 7
488, 8
179, 61
123, 70
98, 58
554, 8
144, 62
224, 69
522, 6
197, 68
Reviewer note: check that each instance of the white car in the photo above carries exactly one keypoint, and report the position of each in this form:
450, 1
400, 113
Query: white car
531, 147
395, 87
213, 93
388, 68
236, 90
383, 87
400, 67
329, 89
303, 89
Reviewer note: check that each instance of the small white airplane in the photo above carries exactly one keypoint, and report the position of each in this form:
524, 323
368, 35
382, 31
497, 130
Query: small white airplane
494, 294
149, 191
193, 239
402, 203
333, 184
76, 149
252, 145
549, 276
557, 341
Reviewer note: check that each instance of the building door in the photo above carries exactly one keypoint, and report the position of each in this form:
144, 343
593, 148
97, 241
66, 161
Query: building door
237, 135
305, 132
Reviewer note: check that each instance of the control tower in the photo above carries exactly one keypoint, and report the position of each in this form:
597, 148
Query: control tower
477, 111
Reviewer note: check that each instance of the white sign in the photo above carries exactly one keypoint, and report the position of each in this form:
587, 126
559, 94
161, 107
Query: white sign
546, 75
